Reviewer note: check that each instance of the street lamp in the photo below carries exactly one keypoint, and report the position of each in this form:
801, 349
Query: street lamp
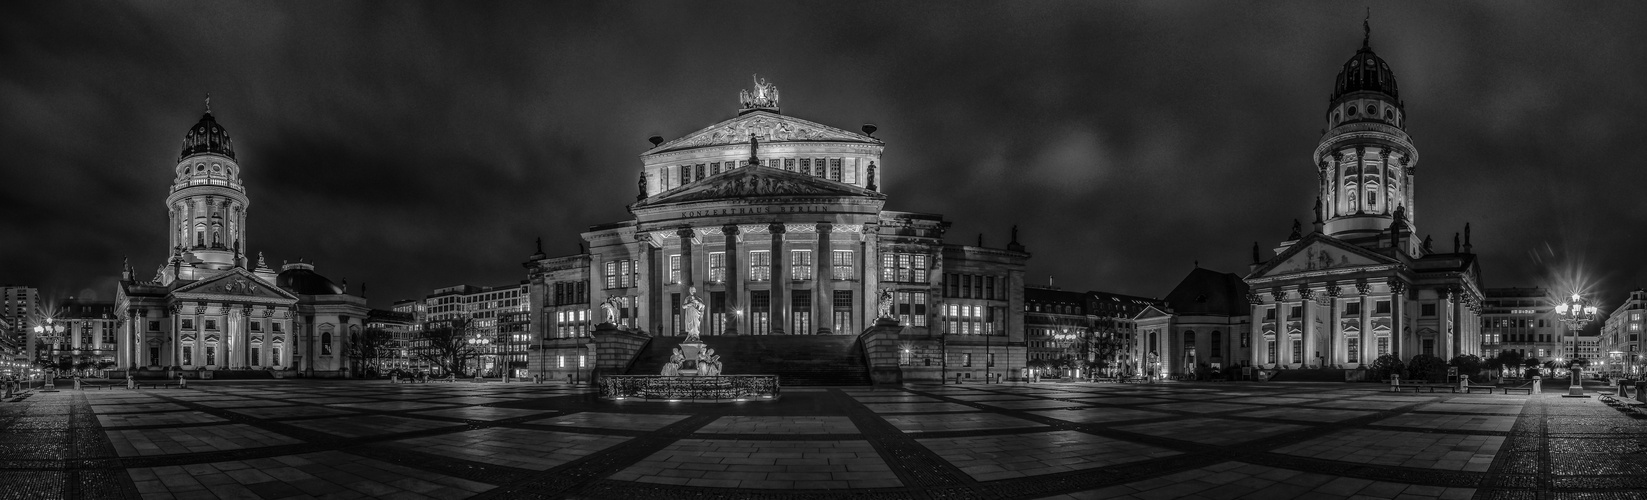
482, 341
1575, 313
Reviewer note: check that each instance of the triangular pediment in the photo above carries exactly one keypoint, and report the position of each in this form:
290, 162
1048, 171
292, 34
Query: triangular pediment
1150, 313
767, 126
755, 181
1318, 252
236, 281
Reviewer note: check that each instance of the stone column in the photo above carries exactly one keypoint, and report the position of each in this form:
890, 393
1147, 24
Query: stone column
1363, 292
1283, 338
1312, 345
824, 302
734, 280
687, 278
1406, 166
1458, 324
1384, 184
1335, 335
1398, 322
780, 281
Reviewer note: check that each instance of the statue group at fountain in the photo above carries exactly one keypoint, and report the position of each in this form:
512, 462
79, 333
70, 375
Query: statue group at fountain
692, 358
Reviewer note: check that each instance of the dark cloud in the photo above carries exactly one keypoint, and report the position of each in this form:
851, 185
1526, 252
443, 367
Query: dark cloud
416, 145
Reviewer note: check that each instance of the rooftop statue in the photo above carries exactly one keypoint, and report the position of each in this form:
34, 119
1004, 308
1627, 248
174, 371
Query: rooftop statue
765, 95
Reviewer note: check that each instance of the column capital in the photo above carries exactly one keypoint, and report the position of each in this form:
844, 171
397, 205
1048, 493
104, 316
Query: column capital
1254, 298
1332, 289
1279, 294
686, 233
825, 227
1304, 292
1397, 286
777, 228
1362, 287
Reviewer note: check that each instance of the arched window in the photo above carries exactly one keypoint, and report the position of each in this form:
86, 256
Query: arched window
1152, 342
326, 344
1189, 339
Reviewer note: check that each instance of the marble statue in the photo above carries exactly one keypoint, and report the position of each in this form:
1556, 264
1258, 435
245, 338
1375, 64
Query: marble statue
709, 363
673, 367
692, 315
885, 303
609, 308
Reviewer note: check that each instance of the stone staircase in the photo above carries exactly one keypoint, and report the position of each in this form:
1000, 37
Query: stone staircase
798, 360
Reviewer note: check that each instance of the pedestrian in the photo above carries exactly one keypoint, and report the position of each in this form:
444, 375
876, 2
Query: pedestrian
394, 376
131, 384
76, 381
182, 383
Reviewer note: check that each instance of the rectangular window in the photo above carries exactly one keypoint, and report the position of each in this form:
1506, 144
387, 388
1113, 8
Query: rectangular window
717, 266
154, 326
211, 355
789, 164
1426, 310
1269, 313
989, 288
1246, 338
1352, 347
675, 268
611, 274
274, 327
806, 166
188, 355
760, 265
1296, 312
1271, 350
701, 171
1352, 309
835, 169
717, 313
760, 312
188, 324
257, 326
841, 264
211, 324
1381, 307
1297, 351
918, 308
1429, 347
800, 312
889, 266
800, 264
842, 321
966, 359
714, 168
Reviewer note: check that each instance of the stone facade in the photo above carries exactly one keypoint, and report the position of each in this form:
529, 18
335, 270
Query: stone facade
778, 225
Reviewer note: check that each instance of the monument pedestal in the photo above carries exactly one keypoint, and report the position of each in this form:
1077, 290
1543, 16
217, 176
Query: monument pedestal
691, 350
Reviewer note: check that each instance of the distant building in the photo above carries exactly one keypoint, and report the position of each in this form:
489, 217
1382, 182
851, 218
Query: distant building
1589, 347
89, 337
1361, 283
500, 316
1620, 341
1056, 323
17, 305
1202, 325
1522, 320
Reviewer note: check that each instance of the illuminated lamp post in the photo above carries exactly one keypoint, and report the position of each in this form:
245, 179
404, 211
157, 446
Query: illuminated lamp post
1575, 313
49, 331
482, 341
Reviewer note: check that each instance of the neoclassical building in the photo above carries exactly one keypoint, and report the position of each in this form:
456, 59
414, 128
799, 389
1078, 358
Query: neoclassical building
1360, 284
779, 226
207, 307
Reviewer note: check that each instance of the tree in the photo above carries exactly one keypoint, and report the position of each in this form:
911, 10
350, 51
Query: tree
446, 345
1385, 366
1532, 366
370, 348
1506, 360
1468, 364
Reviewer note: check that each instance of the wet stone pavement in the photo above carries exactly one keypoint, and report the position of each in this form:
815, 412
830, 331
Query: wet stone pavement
372, 439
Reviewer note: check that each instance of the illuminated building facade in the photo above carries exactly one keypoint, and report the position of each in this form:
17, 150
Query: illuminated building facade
779, 226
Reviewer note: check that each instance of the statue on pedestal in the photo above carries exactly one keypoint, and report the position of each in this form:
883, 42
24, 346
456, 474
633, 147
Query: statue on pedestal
709, 363
692, 315
609, 309
885, 301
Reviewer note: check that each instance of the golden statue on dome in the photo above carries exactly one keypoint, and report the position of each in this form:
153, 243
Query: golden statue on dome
765, 95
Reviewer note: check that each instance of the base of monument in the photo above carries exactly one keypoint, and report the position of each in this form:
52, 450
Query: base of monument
689, 389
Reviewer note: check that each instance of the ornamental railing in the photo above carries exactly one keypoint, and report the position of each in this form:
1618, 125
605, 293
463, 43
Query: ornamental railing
704, 389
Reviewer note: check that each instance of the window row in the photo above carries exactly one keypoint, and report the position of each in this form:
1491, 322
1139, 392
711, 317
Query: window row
969, 286
904, 267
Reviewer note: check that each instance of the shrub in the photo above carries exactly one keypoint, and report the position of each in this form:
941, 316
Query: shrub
1385, 366
1428, 368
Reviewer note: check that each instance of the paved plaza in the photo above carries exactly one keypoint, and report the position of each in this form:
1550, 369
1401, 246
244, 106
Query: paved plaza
354, 439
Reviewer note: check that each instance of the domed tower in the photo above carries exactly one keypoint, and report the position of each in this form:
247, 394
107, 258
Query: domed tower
1366, 160
207, 205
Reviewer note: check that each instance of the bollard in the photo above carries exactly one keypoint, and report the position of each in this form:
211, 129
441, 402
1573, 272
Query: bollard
1641, 391
957, 379
1538, 384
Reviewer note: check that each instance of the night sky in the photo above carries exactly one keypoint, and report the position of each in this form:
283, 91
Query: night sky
417, 145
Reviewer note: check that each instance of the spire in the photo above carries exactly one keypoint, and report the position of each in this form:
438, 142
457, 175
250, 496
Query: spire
1366, 30
208, 103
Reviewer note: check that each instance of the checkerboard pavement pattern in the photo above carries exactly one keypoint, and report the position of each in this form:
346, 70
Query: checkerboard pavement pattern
372, 439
